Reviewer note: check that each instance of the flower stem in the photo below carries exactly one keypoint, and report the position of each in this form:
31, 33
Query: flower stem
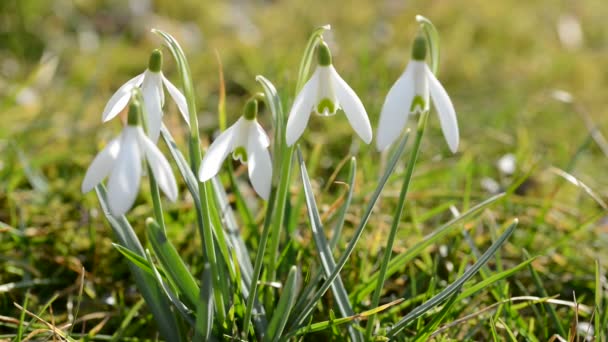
155, 194
396, 220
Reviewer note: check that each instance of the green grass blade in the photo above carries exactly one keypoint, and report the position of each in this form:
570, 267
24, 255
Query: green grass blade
454, 287
327, 261
598, 302
155, 297
493, 279
399, 261
437, 319
320, 326
309, 305
173, 264
281, 314
543, 293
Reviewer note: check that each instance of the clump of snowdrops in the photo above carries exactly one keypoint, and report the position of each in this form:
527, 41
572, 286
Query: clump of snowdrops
250, 299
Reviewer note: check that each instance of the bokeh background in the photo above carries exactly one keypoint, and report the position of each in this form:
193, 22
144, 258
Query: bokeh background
528, 79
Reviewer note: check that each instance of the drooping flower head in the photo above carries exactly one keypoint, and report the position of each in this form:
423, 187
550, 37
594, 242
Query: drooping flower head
410, 94
151, 82
248, 143
122, 159
325, 93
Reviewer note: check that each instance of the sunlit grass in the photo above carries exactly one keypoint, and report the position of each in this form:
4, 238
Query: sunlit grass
502, 63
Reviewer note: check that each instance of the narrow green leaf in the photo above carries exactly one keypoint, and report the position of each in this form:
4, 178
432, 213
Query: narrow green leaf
493, 279
327, 260
135, 258
454, 287
173, 298
173, 263
399, 261
308, 304
204, 311
281, 314
437, 319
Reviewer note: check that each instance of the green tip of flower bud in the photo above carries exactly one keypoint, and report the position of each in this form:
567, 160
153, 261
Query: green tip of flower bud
419, 48
134, 112
323, 54
156, 61
251, 109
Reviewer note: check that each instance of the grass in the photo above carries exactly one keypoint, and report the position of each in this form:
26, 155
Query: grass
502, 63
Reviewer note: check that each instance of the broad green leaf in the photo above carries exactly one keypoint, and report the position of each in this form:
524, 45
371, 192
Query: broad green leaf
173, 264
155, 297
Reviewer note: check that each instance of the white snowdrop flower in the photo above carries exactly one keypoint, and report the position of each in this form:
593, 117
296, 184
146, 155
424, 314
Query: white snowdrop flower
151, 82
411, 94
121, 159
248, 143
325, 93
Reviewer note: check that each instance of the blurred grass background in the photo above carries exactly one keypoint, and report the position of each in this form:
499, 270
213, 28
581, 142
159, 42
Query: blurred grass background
528, 80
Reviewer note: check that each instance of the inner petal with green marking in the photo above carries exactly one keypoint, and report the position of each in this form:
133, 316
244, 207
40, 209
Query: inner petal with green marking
326, 107
240, 154
418, 104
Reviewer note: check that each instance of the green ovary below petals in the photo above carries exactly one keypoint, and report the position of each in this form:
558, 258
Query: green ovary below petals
418, 104
326, 107
240, 154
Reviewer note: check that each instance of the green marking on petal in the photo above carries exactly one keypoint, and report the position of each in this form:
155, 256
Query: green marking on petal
326, 104
240, 154
156, 61
417, 102
419, 48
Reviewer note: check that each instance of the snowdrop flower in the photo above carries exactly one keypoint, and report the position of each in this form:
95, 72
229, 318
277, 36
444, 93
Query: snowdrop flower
325, 93
151, 82
121, 159
248, 143
411, 94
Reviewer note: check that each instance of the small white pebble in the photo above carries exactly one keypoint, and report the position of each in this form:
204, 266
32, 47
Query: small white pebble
506, 164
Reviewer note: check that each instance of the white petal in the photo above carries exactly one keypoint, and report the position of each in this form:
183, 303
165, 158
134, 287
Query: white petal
160, 166
125, 176
152, 91
262, 137
445, 110
301, 109
217, 152
353, 108
101, 165
120, 98
395, 110
259, 164
179, 99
